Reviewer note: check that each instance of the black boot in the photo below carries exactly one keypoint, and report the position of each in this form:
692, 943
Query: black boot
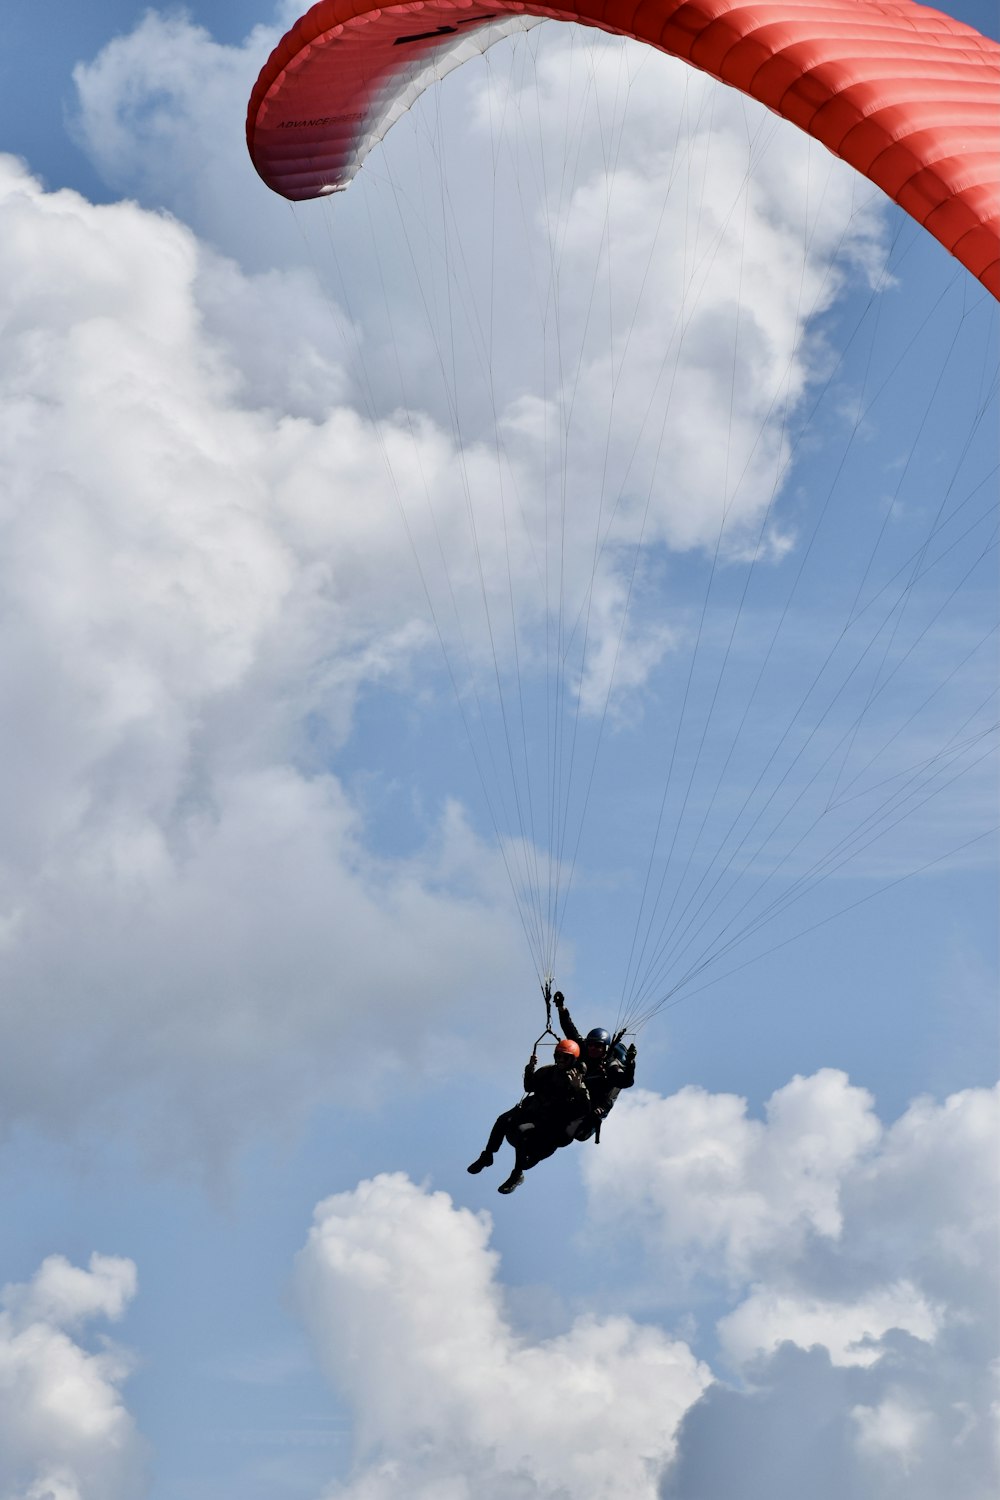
485, 1159
513, 1182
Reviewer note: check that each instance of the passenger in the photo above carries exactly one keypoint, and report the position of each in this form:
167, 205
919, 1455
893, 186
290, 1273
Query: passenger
556, 1106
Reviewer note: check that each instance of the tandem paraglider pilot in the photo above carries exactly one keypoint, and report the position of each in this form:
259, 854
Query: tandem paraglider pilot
608, 1068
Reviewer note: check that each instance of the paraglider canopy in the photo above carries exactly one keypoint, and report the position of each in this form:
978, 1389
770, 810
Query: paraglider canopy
908, 96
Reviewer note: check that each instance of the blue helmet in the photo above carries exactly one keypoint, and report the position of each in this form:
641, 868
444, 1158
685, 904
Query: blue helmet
597, 1042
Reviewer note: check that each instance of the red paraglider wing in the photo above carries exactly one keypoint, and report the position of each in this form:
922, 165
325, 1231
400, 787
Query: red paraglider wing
906, 95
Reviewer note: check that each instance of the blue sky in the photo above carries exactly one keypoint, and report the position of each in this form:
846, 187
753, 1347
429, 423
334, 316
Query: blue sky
265, 986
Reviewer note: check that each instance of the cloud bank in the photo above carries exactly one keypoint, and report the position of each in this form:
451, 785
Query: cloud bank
858, 1358
861, 1262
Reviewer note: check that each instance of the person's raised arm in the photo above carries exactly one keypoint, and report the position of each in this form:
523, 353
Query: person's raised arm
565, 1019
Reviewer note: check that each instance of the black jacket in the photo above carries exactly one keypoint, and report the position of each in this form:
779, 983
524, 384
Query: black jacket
605, 1077
555, 1090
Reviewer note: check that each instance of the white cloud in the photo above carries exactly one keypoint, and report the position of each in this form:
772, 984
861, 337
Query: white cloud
65, 1433
195, 590
850, 1331
855, 1379
927, 1201
861, 1260
682, 312
67, 1296
399, 1290
720, 1192
161, 111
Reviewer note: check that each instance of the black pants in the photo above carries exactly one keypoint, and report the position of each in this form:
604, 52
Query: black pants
533, 1136
504, 1123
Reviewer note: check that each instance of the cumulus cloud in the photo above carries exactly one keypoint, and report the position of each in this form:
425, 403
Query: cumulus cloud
400, 1292
65, 1433
846, 1367
721, 1191
160, 113
196, 588
603, 351
646, 318
860, 1259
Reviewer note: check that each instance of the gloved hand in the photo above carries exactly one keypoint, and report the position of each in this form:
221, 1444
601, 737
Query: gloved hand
630, 1053
559, 998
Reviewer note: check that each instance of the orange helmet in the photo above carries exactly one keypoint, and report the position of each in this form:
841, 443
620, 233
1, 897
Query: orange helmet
566, 1051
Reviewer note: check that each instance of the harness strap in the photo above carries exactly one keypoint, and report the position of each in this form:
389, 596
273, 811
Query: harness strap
547, 997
